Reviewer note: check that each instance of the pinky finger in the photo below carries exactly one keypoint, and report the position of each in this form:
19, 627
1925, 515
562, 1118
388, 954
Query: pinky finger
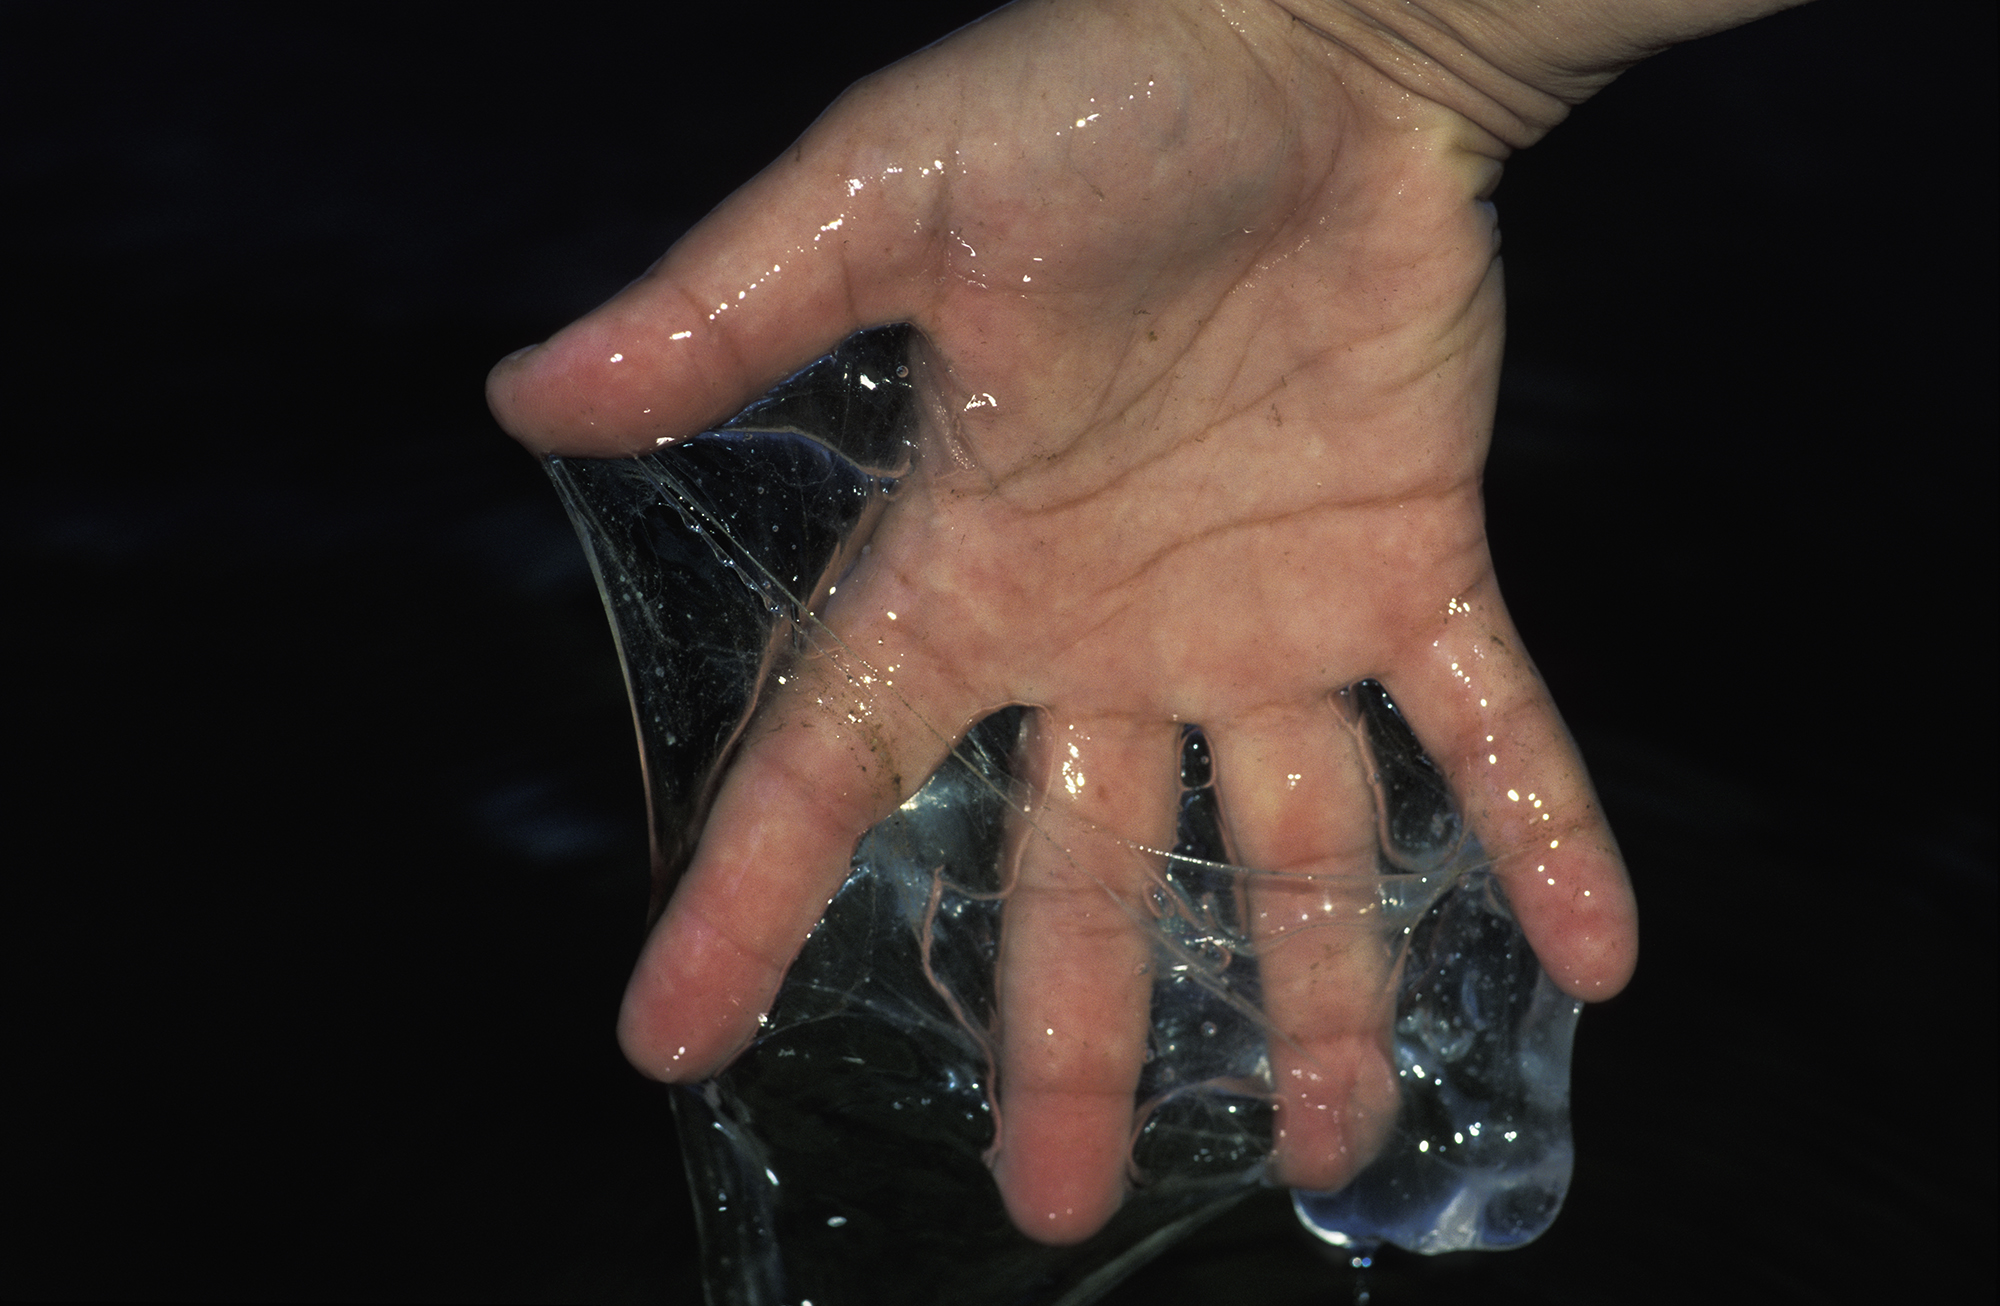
1485, 717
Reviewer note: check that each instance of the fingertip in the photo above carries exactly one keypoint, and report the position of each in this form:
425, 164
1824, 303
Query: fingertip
602, 387
1337, 1100
1060, 1185
661, 1048
664, 1059
1589, 945
502, 390
1061, 1225
694, 1001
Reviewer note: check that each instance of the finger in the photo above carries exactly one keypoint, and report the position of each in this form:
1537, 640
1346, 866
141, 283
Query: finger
813, 248
1075, 973
1301, 816
837, 748
1483, 714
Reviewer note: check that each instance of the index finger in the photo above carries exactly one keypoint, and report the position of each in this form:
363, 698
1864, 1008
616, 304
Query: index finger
834, 752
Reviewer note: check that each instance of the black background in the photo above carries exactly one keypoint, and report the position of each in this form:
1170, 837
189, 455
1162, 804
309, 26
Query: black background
327, 861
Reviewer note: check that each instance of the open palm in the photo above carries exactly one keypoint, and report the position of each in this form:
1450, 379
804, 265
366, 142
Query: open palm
1211, 331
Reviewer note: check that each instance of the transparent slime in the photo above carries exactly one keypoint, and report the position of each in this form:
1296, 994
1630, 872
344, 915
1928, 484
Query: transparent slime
840, 1158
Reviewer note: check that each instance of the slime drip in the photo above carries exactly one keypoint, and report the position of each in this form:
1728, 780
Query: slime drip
841, 1158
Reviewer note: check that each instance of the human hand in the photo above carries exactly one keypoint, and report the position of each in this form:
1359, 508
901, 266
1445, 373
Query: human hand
1212, 323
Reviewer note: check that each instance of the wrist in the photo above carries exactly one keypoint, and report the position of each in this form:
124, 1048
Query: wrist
1514, 67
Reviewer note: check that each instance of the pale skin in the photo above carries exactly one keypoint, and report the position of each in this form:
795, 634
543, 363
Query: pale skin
1211, 310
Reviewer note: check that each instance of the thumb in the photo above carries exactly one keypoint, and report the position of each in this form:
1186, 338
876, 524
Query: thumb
809, 251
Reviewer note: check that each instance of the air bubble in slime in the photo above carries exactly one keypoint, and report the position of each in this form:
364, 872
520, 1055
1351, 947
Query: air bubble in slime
839, 1159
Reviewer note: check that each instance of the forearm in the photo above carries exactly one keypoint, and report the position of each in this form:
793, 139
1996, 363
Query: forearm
1515, 67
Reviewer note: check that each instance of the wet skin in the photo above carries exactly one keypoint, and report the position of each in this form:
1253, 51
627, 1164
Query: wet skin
1211, 319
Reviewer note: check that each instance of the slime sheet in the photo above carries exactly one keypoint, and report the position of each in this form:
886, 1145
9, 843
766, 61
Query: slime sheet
840, 1158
